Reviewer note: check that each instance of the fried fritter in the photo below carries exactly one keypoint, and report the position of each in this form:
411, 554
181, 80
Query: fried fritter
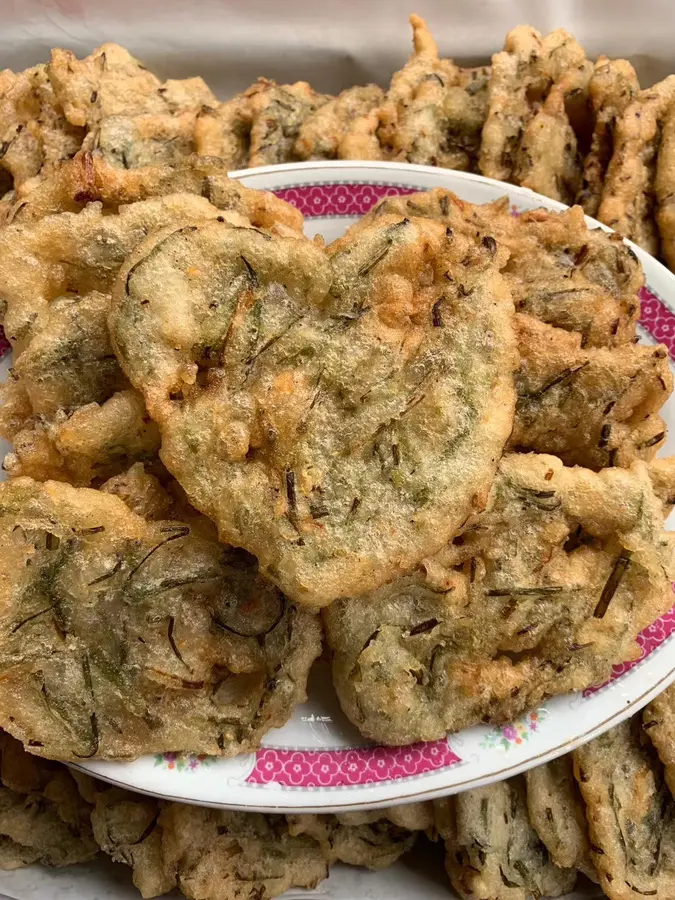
493, 852
89, 178
628, 199
42, 816
521, 77
34, 133
110, 82
665, 188
124, 637
542, 594
125, 827
548, 159
630, 813
659, 723
76, 254
55, 294
558, 815
130, 142
338, 414
559, 270
612, 87
277, 114
591, 407
224, 131
415, 126
325, 133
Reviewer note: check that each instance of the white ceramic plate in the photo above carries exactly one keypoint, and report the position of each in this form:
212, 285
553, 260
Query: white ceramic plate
317, 761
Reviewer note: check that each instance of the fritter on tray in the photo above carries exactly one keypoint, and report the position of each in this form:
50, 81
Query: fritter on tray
592, 407
122, 637
338, 414
559, 270
586, 392
612, 86
558, 815
34, 134
540, 595
432, 113
42, 815
130, 116
221, 855
630, 813
629, 195
659, 723
332, 130
527, 136
492, 850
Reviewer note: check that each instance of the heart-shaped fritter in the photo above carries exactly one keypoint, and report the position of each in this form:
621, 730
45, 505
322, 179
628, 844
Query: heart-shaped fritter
121, 637
338, 413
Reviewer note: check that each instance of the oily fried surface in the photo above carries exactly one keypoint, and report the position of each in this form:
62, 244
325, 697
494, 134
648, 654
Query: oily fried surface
558, 815
628, 199
540, 595
388, 354
559, 271
465, 105
522, 75
329, 132
659, 723
277, 114
34, 133
493, 852
42, 816
592, 407
612, 87
433, 112
630, 813
110, 82
124, 637
153, 139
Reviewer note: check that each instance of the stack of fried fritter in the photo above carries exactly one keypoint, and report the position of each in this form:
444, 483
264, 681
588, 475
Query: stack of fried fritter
541, 115
439, 428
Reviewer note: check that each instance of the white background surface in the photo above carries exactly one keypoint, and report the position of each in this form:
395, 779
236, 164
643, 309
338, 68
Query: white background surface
333, 44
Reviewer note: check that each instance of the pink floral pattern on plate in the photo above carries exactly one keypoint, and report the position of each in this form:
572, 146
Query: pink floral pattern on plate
322, 200
648, 640
657, 319
340, 768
